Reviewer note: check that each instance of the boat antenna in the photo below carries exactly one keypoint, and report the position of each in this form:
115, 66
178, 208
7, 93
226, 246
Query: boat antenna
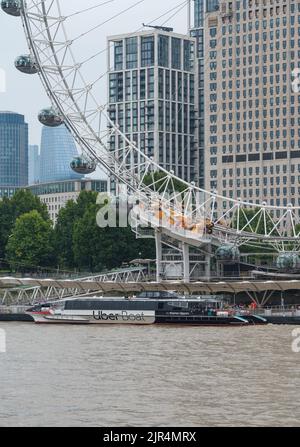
160, 28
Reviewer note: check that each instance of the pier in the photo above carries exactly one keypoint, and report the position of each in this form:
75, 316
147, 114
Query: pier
95, 286
20, 293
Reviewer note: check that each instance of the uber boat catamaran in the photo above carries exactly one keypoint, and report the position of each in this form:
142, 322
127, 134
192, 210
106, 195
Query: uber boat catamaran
147, 308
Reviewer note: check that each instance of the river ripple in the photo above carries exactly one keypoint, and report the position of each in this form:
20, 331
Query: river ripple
148, 376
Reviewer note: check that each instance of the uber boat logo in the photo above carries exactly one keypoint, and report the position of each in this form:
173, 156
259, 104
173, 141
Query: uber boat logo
296, 341
2, 341
124, 316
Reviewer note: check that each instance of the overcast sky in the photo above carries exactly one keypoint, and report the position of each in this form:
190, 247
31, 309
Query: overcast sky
24, 94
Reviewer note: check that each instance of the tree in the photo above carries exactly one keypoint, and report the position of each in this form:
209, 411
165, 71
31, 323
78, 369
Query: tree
30, 244
98, 249
64, 229
251, 220
63, 235
160, 179
10, 209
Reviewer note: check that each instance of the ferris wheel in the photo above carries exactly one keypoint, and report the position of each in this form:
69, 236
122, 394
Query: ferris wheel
56, 35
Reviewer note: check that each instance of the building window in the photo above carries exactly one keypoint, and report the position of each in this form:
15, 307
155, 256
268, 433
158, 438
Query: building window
131, 52
147, 51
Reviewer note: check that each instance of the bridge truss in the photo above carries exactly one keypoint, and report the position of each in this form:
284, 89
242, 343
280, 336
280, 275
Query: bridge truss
187, 222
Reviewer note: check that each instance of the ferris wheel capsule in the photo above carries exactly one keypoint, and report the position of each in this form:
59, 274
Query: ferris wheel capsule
288, 261
83, 165
50, 117
228, 254
26, 64
11, 7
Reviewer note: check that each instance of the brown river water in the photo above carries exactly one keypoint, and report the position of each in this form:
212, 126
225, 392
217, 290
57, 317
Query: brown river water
148, 376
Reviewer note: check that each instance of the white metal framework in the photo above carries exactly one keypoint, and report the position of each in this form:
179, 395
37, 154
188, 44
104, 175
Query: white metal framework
20, 294
174, 208
258, 291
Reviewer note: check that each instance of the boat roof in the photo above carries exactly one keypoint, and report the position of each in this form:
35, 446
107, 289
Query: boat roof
144, 299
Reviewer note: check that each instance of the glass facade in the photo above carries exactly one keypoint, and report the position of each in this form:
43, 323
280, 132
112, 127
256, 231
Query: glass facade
58, 148
13, 150
57, 194
200, 8
131, 52
34, 165
69, 186
199, 13
212, 5
7, 192
153, 99
163, 51
147, 51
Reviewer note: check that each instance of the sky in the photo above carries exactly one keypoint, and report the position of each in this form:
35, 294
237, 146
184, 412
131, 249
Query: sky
25, 94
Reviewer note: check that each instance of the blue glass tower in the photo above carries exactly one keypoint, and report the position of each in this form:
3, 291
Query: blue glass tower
58, 148
34, 165
13, 150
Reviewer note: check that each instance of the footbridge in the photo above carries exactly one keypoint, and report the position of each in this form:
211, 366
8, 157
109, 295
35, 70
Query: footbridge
258, 291
28, 291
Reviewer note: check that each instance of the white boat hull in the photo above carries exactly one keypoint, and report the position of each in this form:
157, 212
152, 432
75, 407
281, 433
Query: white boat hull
94, 317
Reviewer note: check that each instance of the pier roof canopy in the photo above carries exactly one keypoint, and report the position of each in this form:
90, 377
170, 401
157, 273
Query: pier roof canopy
136, 287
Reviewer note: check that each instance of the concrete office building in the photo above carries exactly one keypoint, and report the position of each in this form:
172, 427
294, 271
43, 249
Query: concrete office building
251, 110
56, 194
197, 13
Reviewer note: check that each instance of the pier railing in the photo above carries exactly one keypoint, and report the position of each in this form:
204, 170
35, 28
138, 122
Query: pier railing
286, 310
27, 296
16, 310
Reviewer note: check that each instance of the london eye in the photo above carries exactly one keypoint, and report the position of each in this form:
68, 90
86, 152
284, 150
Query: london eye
188, 219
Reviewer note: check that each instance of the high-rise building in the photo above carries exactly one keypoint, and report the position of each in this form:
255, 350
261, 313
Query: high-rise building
34, 165
152, 97
196, 26
252, 112
58, 148
13, 150
57, 194
198, 10
212, 5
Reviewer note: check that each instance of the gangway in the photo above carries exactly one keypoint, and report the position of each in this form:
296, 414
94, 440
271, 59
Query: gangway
36, 290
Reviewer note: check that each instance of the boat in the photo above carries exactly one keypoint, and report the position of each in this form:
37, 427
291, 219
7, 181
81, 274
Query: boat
147, 308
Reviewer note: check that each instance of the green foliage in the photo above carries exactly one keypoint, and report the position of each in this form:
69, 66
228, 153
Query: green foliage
64, 229
98, 249
63, 235
28, 239
160, 178
10, 209
30, 245
257, 223
80, 243
252, 221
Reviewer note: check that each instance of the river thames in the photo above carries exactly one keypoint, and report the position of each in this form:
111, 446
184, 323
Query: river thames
148, 376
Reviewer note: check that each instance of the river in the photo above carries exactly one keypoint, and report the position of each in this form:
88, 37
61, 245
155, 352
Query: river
148, 376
